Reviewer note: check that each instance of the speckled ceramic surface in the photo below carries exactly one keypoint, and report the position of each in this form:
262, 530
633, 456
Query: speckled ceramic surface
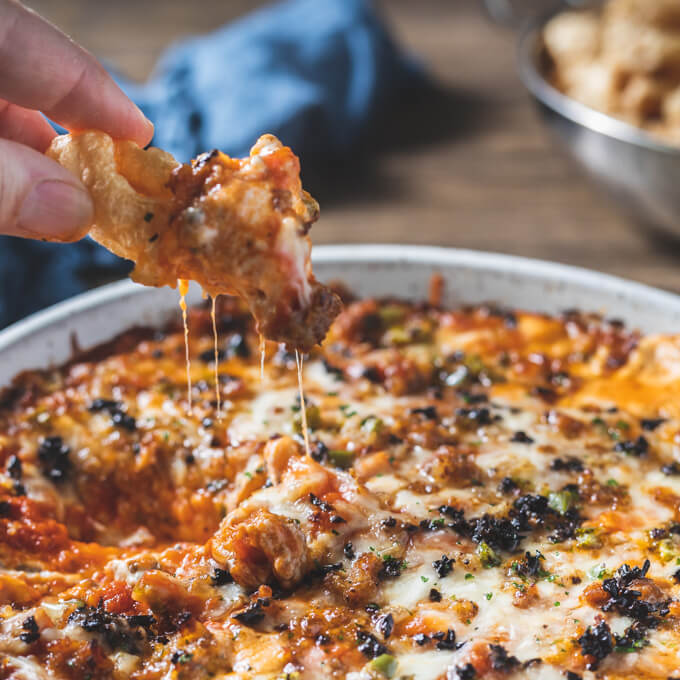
471, 277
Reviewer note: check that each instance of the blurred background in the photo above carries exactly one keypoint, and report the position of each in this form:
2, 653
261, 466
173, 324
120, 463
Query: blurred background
463, 163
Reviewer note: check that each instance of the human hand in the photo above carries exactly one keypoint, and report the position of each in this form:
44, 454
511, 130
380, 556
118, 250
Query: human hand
42, 70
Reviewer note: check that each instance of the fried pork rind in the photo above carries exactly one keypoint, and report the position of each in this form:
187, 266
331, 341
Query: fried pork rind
671, 108
642, 97
624, 61
593, 83
236, 226
664, 14
573, 36
261, 547
640, 48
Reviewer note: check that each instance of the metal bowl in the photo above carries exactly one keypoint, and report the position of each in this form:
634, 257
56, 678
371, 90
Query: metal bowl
640, 171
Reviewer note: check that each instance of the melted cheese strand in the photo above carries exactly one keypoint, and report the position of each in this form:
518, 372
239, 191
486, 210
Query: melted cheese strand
303, 410
217, 355
183, 287
262, 357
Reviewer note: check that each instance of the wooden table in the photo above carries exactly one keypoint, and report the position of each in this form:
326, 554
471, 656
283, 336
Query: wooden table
475, 170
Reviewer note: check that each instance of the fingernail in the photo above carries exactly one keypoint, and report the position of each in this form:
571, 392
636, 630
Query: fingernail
149, 124
56, 210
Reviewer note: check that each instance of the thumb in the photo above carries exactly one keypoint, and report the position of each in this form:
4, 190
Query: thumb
38, 198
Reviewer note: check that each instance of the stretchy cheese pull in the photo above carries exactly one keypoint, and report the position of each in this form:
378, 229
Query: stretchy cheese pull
183, 287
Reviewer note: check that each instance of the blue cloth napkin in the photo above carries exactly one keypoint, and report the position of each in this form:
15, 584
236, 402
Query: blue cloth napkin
313, 72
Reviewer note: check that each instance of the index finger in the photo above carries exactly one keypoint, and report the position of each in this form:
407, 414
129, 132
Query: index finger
43, 69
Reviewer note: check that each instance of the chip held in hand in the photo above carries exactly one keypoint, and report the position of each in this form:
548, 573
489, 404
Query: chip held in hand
235, 226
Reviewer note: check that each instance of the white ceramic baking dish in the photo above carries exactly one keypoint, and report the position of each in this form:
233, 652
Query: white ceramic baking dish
47, 338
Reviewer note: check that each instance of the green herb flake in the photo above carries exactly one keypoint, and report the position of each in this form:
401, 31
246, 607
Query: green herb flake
341, 459
372, 424
385, 664
562, 501
587, 539
313, 414
182, 657
487, 556
667, 551
391, 314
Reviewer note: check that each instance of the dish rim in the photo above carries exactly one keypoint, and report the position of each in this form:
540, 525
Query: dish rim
569, 108
524, 267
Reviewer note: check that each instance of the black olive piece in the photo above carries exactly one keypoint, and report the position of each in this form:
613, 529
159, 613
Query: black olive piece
521, 437
31, 631
53, 456
369, 645
221, 577
444, 566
